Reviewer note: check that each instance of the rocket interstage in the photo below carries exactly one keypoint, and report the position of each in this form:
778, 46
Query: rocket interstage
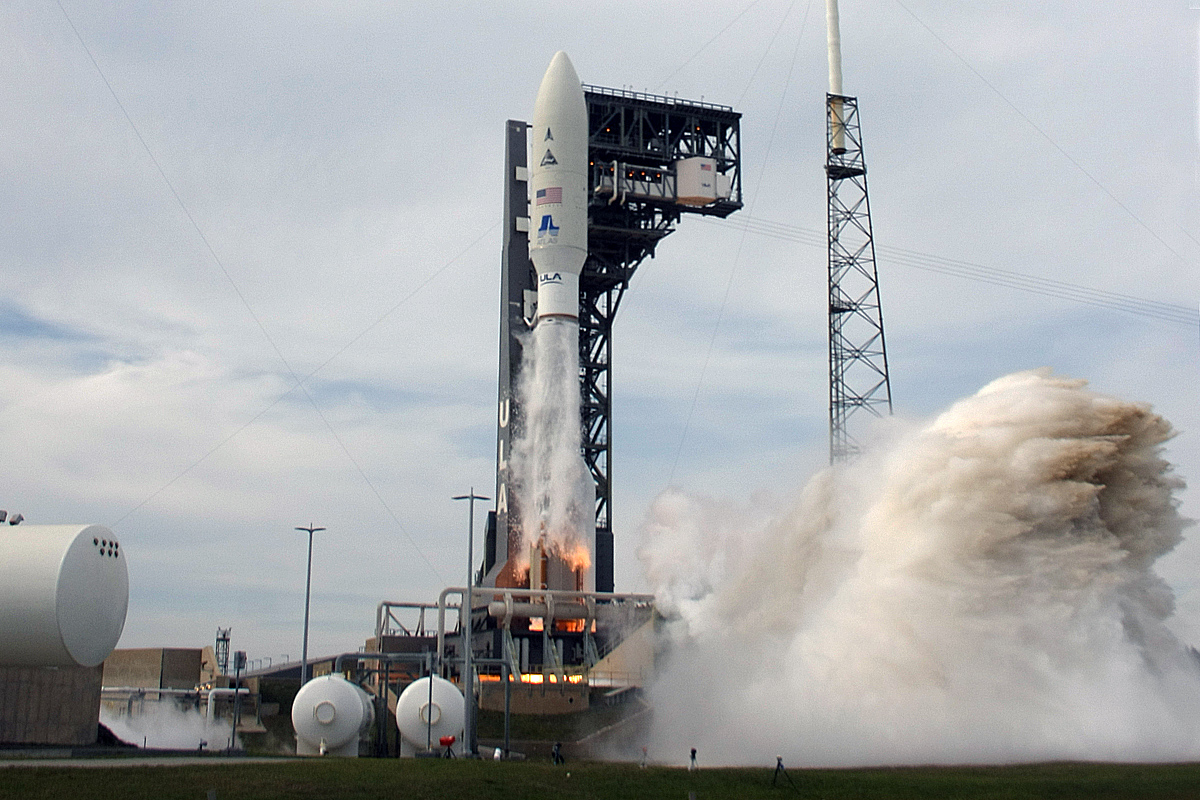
558, 190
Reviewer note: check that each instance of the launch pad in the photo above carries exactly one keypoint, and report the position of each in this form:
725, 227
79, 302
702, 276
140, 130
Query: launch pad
539, 620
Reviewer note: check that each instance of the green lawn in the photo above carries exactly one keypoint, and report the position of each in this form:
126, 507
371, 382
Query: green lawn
479, 780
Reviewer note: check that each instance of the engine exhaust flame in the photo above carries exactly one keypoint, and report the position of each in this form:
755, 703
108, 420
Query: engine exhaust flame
555, 491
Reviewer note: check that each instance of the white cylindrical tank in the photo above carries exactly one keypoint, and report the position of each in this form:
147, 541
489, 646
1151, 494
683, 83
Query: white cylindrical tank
423, 720
330, 715
64, 592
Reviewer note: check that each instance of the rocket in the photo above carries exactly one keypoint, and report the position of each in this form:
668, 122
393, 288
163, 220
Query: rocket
558, 190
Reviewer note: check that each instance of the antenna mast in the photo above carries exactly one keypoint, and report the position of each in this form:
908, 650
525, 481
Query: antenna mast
858, 372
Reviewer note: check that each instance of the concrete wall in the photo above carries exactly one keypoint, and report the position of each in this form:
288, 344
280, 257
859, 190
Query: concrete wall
180, 668
208, 665
154, 667
49, 705
526, 698
134, 667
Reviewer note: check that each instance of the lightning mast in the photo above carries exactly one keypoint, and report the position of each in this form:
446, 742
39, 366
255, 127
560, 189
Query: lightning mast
858, 372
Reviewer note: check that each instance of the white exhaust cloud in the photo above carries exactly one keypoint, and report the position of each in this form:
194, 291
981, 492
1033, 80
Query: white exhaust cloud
980, 589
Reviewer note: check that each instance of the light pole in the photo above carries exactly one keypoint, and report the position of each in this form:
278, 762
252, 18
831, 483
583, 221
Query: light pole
468, 676
310, 530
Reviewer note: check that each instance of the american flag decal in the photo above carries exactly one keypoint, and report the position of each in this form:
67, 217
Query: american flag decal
706, 167
550, 195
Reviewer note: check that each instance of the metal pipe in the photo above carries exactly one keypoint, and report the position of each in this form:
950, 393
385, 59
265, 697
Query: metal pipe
379, 619
429, 716
151, 689
468, 608
506, 672
508, 594
441, 631
382, 615
213, 694
548, 595
442, 609
383, 712
509, 611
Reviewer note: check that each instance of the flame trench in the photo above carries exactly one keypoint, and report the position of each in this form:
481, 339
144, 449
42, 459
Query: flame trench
979, 590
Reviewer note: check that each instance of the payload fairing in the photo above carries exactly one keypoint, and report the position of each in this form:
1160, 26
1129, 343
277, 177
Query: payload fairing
558, 190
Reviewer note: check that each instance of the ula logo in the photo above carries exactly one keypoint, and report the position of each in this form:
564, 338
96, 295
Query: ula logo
550, 277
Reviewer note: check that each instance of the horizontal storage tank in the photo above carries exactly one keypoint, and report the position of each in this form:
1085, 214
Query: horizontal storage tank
64, 592
331, 715
423, 719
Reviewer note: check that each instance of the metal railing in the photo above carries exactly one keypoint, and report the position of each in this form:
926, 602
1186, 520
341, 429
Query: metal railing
630, 94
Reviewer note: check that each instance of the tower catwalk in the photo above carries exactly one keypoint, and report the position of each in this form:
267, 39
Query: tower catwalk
858, 371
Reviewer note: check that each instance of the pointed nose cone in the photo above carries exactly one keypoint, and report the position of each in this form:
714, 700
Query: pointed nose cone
561, 94
560, 75
558, 181
562, 61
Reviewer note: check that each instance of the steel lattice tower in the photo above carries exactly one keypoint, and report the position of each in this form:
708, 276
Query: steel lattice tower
635, 141
222, 651
858, 371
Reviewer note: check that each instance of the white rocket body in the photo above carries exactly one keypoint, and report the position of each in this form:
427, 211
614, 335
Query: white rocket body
558, 190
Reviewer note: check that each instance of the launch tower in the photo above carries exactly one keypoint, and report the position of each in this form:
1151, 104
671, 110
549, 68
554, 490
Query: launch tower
858, 371
651, 159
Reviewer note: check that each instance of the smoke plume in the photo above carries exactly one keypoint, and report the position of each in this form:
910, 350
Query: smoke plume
979, 590
554, 490
166, 725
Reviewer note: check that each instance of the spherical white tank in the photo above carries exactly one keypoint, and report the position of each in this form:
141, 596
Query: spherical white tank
64, 592
330, 714
422, 720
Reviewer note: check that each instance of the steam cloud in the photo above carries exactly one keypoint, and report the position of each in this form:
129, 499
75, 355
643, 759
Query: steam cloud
552, 484
163, 724
980, 590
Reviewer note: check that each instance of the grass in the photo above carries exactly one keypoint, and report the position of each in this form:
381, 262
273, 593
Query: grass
475, 780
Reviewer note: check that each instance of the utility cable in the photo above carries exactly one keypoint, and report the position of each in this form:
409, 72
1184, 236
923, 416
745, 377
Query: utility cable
429, 279
416, 290
1043, 134
1048, 287
171, 187
767, 51
704, 46
737, 257
237, 290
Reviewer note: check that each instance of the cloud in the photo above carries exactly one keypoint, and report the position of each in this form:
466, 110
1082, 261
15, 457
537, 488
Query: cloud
339, 161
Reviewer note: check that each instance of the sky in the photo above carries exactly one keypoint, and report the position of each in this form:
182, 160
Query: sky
250, 255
